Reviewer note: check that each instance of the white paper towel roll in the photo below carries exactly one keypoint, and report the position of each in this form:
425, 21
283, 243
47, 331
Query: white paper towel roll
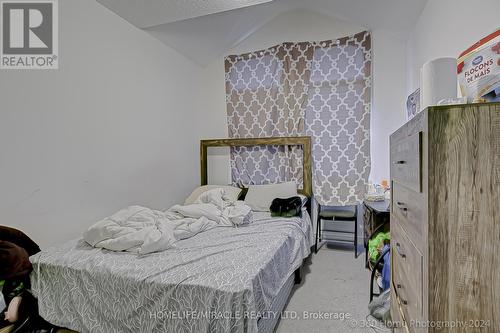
438, 80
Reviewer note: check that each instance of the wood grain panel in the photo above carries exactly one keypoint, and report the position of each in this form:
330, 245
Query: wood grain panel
464, 232
495, 125
460, 178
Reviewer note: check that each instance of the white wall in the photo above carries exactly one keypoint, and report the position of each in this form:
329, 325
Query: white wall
303, 25
110, 128
388, 108
446, 28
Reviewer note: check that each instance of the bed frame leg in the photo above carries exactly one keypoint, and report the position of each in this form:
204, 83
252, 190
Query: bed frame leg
298, 275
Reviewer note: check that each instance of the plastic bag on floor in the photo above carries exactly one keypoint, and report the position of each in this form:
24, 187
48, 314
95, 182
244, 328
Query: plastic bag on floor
380, 306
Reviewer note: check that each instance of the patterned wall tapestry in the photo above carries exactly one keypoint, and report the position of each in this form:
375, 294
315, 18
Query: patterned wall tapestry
338, 119
321, 89
266, 95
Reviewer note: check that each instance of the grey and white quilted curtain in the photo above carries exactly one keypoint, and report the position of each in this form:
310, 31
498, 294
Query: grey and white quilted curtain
321, 89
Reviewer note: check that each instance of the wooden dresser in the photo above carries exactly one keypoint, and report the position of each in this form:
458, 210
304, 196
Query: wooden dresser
445, 220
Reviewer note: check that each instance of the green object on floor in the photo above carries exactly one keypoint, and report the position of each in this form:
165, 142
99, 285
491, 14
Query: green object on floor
377, 243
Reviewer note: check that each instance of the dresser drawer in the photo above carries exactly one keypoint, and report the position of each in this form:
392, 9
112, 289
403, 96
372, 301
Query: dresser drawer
398, 321
407, 273
409, 209
406, 161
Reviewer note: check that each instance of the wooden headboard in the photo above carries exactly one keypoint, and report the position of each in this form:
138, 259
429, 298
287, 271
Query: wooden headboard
304, 141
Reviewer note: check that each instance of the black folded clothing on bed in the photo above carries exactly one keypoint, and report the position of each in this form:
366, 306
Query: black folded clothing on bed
288, 207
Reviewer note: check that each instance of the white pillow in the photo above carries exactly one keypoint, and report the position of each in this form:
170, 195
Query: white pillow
231, 192
260, 197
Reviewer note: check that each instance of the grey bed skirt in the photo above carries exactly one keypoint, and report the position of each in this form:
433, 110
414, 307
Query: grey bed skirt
269, 323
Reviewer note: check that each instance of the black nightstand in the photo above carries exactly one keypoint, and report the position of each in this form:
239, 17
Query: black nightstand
376, 217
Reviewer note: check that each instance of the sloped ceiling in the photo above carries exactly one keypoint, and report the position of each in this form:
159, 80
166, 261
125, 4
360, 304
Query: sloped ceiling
148, 13
203, 38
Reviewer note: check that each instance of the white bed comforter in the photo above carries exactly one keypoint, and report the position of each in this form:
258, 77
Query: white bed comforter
143, 230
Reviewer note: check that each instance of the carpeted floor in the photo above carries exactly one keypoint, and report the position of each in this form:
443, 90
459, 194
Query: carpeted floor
334, 283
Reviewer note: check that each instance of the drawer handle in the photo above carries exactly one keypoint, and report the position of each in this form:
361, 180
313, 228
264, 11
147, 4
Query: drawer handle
405, 302
400, 162
402, 206
398, 250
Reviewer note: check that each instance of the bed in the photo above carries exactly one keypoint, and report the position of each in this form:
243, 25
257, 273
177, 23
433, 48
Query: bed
221, 280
